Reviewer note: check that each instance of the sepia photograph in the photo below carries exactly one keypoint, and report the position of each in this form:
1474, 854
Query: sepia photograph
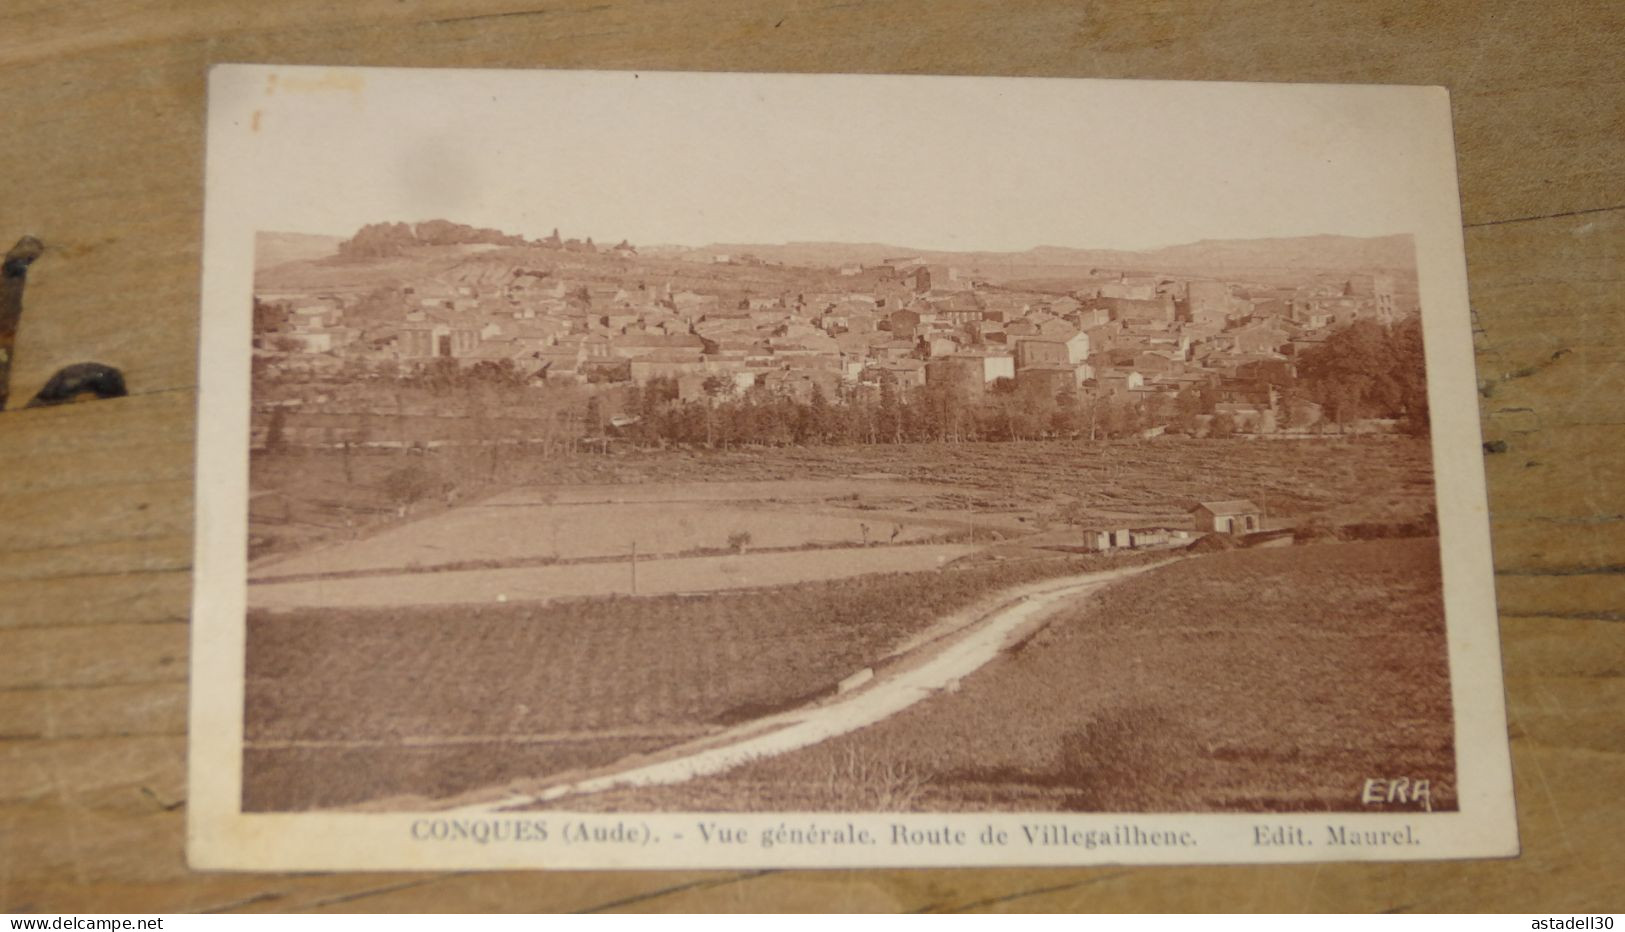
621, 469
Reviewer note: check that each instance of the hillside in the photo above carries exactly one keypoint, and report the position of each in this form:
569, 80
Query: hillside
303, 261
280, 248
1326, 252
486, 265
1207, 257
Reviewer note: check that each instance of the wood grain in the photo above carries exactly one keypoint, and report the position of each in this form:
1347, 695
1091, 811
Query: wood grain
102, 159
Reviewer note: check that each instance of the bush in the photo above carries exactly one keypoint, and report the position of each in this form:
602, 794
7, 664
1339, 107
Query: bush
410, 484
855, 782
1314, 528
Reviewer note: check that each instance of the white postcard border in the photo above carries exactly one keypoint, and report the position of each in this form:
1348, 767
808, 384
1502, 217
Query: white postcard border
220, 836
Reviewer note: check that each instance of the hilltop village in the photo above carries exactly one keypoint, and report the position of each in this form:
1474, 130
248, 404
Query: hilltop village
1275, 352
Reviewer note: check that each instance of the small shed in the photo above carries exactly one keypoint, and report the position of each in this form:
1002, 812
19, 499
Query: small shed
1239, 516
1105, 540
1151, 536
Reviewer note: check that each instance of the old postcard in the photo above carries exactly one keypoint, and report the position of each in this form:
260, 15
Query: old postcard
696, 470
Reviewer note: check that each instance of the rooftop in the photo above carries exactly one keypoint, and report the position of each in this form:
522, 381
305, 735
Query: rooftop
1237, 506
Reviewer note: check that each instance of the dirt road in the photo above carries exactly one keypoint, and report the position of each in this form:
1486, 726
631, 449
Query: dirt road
914, 676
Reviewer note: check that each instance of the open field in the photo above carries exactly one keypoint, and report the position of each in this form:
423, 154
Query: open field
848, 488
346, 706
441, 689
652, 577
934, 660
1250, 680
663, 522
303, 498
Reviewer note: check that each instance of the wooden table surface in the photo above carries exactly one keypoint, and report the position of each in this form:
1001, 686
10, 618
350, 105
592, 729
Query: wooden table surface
102, 159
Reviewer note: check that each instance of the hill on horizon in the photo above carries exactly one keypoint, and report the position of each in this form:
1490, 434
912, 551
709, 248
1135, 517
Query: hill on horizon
1325, 252
1322, 252
281, 248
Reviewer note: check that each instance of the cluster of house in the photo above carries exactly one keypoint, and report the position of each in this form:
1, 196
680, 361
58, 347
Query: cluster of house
1119, 336
1235, 517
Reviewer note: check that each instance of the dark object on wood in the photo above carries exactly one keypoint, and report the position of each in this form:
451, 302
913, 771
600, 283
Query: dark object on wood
72, 383
13, 276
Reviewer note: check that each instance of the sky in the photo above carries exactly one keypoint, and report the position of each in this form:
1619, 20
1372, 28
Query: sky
995, 164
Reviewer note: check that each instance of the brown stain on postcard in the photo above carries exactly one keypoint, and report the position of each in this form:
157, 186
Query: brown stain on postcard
329, 81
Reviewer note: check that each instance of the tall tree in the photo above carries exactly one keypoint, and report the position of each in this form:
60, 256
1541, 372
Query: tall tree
1369, 370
